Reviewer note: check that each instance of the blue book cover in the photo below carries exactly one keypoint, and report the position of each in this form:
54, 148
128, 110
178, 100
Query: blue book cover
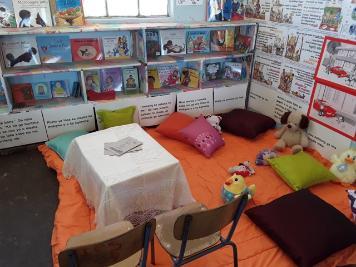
54, 49
59, 88
198, 41
41, 90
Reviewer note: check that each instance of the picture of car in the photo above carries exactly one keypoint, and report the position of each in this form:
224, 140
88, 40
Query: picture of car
323, 108
339, 71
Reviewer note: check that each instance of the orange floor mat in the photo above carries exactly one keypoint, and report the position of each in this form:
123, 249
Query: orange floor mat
205, 177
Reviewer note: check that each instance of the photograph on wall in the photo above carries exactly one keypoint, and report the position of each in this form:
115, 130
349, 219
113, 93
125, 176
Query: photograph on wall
337, 63
334, 109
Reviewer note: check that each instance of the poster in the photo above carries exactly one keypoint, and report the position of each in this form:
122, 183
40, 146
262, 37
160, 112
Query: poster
286, 11
271, 39
229, 98
267, 70
196, 103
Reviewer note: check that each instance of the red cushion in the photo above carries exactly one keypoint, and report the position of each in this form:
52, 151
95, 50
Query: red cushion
173, 124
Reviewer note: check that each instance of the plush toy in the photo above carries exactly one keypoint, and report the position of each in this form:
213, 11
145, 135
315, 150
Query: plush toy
264, 155
344, 166
234, 186
352, 200
244, 169
292, 133
214, 121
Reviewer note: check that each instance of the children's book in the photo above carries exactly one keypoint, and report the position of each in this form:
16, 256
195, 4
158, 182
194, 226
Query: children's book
168, 74
54, 49
22, 94
237, 10
153, 46
244, 38
230, 40
86, 49
41, 90
92, 80
7, 15
198, 41
173, 42
111, 80
20, 51
59, 88
34, 13
215, 10
68, 12
213, 71
153, 79
118, 46
235, 71
130, 80
218, 40
190, 78
227, 10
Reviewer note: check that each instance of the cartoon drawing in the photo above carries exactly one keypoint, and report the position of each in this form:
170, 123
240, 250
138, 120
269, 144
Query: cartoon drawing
277, 13
25, 57
285, 81
130, 82
90, 83
186, 77
258, 74
171, 48
292, 52
253, 10
331, 19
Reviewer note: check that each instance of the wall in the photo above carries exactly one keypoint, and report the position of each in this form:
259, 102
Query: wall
189, 13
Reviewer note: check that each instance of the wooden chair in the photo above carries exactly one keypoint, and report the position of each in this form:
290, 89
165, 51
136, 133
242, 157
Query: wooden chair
118, 245
193, 231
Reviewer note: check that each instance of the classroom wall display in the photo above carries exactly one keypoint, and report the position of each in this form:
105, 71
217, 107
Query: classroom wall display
196, 103
35, 13
229, 98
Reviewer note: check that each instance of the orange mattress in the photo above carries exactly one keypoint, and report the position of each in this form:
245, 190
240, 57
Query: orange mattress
206, 177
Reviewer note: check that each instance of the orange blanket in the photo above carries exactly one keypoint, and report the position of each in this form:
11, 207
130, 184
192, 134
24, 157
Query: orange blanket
206, 176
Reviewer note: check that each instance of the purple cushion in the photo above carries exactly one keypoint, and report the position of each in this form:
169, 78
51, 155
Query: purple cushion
202, 136
246, 123
304, 226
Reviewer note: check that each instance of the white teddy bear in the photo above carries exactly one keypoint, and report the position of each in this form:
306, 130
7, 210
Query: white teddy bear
214, 121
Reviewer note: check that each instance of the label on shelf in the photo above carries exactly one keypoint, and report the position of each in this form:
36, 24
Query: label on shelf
229, 98
196, 103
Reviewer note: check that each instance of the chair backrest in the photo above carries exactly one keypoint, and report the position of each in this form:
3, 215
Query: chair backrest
207, 222
111, 250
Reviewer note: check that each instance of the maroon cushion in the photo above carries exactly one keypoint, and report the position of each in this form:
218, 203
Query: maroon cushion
305, 227
246, 123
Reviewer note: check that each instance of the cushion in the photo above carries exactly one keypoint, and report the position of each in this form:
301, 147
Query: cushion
300, 170
305, 227
245, 123
61, 143
202, 136
173, 124
116, 117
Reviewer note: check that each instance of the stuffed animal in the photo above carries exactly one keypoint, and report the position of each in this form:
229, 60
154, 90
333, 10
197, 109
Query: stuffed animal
234, 186
214, 121
264, 155
244, 169
292, 134
352, 199
344, 166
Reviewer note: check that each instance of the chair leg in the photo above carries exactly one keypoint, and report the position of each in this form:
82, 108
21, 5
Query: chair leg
153, 259
234, 249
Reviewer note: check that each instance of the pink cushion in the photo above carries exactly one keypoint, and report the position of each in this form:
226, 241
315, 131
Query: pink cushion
202, 136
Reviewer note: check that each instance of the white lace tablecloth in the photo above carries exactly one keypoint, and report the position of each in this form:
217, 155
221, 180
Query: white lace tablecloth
117, 187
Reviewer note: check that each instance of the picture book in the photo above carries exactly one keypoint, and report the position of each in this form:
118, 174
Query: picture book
68, 12
153, 46
86, 49
54, 49
173, 42
213, 71
190, 78
41, 90
20, 51
218, 40
153, 79
92, 80
198, 41
34, 13
111, 80
130, 80
7, 14
168, 74
59, 88
244, 39
118, 46
230, 39
22, 94
235, 71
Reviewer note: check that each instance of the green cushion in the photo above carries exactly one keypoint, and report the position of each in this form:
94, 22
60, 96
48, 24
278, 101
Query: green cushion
61, 143
116, 117
300, 170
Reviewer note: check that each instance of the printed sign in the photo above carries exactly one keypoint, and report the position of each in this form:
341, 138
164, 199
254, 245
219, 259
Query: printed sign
196, 103
229, 98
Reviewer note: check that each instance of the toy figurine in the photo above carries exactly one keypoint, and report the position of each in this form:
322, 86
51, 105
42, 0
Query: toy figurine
235, 186
244, 169
264, 155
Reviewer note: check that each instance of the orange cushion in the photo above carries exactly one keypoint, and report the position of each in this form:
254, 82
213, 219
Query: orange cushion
173, 124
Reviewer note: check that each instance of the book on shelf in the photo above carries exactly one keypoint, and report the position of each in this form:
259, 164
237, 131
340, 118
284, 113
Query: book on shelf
230, 39
7, 14
41, 90
215, 10
153, 45
213, 71
235, 71
92, 80
237, 10
218, 40
244, 39
118, 46
22, 94
173, 42
153, 79
86, 49
198, 41
67, 12
20, 51
34, 13
168, 74
111, 80
54, 49
76, 89
130, 80
190, 78
59, 88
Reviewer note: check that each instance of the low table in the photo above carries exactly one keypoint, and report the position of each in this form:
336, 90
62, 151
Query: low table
133, 186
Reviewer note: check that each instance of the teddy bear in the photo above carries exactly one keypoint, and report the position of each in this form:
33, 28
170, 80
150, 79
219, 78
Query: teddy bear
243, 169
214, 121
344, 166
292, 133
234, 186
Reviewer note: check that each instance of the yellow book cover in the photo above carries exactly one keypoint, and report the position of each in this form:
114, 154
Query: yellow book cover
153, 79
190, 78
230, 40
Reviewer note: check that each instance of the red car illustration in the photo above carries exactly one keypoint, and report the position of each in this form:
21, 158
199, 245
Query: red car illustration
339, 71
324, 108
